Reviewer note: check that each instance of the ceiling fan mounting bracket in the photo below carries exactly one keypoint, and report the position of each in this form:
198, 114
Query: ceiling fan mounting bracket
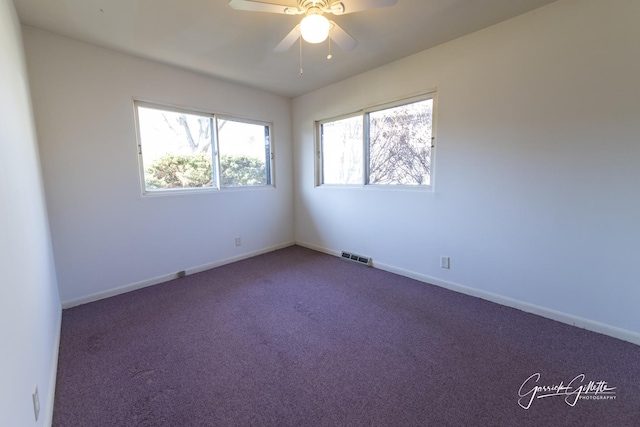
337, 8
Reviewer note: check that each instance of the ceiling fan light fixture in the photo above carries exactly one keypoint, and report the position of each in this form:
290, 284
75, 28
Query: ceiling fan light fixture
315, 28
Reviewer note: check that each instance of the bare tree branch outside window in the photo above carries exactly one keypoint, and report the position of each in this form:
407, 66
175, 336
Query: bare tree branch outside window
397, 142
400, 144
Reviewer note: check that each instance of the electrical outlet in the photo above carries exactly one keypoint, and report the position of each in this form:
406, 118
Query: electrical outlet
445, 262
238, 241
36, 403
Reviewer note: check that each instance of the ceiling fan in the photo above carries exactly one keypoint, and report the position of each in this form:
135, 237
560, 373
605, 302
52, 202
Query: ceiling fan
314, 27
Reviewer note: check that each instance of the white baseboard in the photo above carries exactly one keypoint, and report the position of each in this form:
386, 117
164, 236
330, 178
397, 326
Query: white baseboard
53, 372
319, 248
167, 277
559, 316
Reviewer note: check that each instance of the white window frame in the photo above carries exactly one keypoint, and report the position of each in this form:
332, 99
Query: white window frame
319, 149
270, 158
364, 112
215, 152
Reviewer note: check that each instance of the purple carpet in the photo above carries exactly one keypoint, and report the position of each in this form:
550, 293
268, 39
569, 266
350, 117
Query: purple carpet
300, 338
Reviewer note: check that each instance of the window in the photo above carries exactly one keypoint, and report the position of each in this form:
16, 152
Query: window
244, 153
388, 145
342, 151
184, 150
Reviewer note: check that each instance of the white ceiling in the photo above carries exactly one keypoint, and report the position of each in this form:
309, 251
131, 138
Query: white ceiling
209, 37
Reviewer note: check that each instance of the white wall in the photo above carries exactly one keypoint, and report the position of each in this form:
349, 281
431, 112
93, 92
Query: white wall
29, 304
105, 234
537, 170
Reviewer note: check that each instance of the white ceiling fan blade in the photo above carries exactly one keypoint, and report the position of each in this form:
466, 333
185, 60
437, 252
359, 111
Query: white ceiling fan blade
341, 37
289, 40
259, 6
349, 6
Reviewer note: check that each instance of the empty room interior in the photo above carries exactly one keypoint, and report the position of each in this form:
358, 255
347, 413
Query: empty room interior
427, 216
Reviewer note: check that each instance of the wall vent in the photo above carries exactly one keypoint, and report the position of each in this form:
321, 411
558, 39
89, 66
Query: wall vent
358, 259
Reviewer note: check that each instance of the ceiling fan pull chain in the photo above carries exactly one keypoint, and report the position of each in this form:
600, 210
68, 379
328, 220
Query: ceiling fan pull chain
329, 56
301, 70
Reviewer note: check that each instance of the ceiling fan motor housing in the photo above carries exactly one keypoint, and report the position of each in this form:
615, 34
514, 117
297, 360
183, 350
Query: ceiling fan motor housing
305, 4
327, 6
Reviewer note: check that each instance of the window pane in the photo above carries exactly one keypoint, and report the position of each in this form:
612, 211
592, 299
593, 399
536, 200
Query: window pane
400, 144
244, 153
342, 151
176, 149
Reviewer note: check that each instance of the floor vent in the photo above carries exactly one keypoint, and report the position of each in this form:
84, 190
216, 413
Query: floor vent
356, 258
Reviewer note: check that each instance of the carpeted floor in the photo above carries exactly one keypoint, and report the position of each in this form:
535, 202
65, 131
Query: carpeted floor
299, 338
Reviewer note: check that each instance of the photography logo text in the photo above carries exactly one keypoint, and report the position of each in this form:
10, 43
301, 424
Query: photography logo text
578, 389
